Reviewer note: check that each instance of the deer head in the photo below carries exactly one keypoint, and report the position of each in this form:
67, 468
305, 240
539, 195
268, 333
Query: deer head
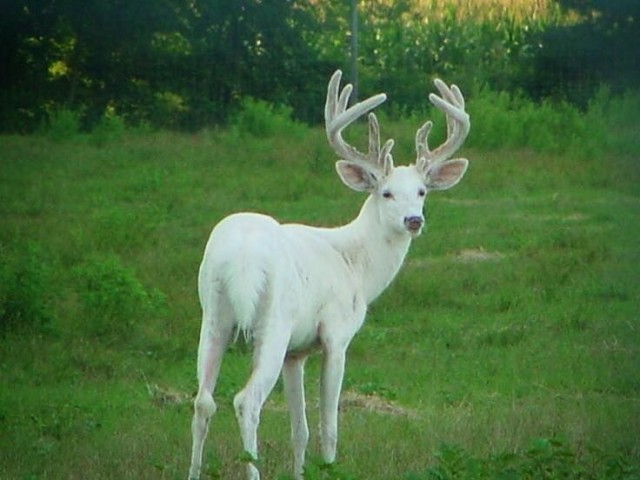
398, 192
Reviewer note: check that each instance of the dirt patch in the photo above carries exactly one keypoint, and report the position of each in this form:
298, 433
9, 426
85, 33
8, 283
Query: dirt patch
570, 218
373, 404
350, 400
467, 255
166, 396
477, 255
576, 217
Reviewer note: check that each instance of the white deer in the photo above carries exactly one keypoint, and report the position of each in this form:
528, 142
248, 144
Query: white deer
292, 289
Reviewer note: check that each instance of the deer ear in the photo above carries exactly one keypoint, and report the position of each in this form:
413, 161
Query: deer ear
442, 176
356, 176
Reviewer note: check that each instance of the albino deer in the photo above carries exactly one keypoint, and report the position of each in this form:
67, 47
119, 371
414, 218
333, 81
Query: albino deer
291, 289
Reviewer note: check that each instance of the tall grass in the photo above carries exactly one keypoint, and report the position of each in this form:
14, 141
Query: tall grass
506, 348
490, 42
504, 120
494, 11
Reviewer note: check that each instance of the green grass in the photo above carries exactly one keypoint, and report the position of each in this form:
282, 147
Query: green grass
508, 347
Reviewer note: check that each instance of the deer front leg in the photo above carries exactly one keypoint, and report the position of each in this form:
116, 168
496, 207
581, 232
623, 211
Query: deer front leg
330, 386
293, 376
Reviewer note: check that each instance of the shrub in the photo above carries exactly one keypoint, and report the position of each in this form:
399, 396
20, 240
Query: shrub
109, 129
113, 299
26, 289
261, 119
612, 119
503, 120
62, 124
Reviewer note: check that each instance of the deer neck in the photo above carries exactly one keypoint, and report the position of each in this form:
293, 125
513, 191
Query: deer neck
373, 252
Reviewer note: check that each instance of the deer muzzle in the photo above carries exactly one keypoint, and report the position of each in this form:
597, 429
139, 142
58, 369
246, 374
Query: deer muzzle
414, 224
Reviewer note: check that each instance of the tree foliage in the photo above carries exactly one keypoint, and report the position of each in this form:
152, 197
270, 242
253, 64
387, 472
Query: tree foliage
601, 48
186, 64
170, 62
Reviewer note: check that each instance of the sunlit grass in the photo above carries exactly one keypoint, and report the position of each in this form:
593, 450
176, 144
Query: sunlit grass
489, 10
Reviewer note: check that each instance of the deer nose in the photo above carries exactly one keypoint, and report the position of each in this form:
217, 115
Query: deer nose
414, 223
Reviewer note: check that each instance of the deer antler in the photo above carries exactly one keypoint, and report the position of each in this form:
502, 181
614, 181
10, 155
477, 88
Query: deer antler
451, 103
337, 116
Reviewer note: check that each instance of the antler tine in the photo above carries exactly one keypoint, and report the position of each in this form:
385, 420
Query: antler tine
338, 116
422, 148
451, 103
374, 133
383, 159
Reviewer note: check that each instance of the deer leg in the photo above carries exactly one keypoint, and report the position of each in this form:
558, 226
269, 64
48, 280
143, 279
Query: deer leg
330, 386
293, 376
269, 355
214, 337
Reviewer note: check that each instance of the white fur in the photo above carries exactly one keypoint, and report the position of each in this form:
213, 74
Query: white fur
292, 289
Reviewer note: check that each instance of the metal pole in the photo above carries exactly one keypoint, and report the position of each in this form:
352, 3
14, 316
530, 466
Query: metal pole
354, 50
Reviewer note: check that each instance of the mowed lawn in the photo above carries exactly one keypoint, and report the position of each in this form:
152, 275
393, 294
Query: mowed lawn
508, 346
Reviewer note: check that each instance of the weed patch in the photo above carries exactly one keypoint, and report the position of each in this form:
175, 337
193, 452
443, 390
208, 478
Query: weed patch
114, 300
261, 119
26, 288
63, 124
545, 458
110, 128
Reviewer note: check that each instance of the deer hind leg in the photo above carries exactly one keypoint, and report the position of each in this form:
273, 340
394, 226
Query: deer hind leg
293, 376
269, 355
214, 337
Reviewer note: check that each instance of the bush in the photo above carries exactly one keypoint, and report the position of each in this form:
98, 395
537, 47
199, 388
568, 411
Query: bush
113, 299
26, 289
110, 128
261, 119
503, 120
62, 124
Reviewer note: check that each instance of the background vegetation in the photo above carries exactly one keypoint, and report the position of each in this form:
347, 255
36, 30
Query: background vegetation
185, 65
508, 347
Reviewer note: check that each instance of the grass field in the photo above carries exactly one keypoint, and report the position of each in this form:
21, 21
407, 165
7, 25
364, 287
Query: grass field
508, 347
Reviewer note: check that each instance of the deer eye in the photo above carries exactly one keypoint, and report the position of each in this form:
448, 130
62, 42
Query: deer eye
387, 194
422, 192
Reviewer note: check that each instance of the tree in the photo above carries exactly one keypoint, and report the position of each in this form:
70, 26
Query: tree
251, 48
601, 48
174, 63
